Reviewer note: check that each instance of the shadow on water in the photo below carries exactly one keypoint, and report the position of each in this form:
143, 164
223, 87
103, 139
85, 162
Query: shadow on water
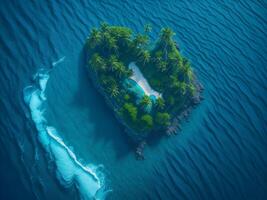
155, 138
106, 126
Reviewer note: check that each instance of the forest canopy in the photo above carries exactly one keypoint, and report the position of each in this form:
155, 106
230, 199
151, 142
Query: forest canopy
112, 48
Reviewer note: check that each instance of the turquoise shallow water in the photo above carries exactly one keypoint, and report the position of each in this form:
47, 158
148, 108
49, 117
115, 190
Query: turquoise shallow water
220, 152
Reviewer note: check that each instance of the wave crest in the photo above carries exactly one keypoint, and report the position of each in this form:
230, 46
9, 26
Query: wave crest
88, 179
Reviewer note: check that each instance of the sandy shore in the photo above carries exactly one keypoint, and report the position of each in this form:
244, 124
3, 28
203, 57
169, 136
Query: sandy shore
142, 82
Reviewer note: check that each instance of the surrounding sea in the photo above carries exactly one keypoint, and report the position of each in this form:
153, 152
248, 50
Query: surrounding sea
58, 139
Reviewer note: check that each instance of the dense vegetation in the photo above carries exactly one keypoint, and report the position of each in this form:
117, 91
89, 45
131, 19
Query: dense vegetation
112, 48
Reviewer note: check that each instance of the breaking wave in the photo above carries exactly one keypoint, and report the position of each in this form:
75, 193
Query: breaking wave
89, 180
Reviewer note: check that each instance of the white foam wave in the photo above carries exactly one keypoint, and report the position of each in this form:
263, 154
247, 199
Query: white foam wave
88, 179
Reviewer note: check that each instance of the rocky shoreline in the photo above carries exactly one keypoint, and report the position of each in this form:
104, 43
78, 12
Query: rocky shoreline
175, 124
187, 109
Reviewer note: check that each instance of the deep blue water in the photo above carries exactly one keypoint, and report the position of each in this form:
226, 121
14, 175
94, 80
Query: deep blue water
220, 152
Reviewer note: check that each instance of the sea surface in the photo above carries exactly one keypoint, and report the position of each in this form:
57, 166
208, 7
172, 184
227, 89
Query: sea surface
58, 139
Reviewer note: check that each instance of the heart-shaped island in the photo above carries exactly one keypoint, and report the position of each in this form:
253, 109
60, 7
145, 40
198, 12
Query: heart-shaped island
150, 88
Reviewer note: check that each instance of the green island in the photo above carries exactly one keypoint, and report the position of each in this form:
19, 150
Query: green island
148, 86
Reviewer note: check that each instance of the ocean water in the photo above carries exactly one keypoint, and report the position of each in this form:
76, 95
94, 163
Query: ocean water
58, 139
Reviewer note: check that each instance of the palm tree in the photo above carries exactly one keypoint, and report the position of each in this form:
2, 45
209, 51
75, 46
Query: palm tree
191, 88
112, 61
140, 40
94, 38
145, 101
117, 67
158, 56
113, 90
174, 59
104, 26
97, 63
160, 104
176, 86
109, 42
186, 73
123, 35
187, 70
166, 35
144, 57
166, 40
120, 70
179, 87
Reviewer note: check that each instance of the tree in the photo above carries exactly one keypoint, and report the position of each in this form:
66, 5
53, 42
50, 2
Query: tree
123, 35
112, 61
104, 27
94, 39
166, 35
186, 71
130, 111
117, 67
158, 56
175, 85
97, 63
178, 87
144, 57
120, 70
145, 101
162, 119
174, 61
140, 40
192, 89
166, 41
109, 42
146, 122
113, 90
160, 104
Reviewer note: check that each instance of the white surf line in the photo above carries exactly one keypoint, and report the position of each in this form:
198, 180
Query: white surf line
60, 141
88, 180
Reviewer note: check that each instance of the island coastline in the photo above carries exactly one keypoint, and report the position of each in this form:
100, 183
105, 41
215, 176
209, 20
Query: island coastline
140, 137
